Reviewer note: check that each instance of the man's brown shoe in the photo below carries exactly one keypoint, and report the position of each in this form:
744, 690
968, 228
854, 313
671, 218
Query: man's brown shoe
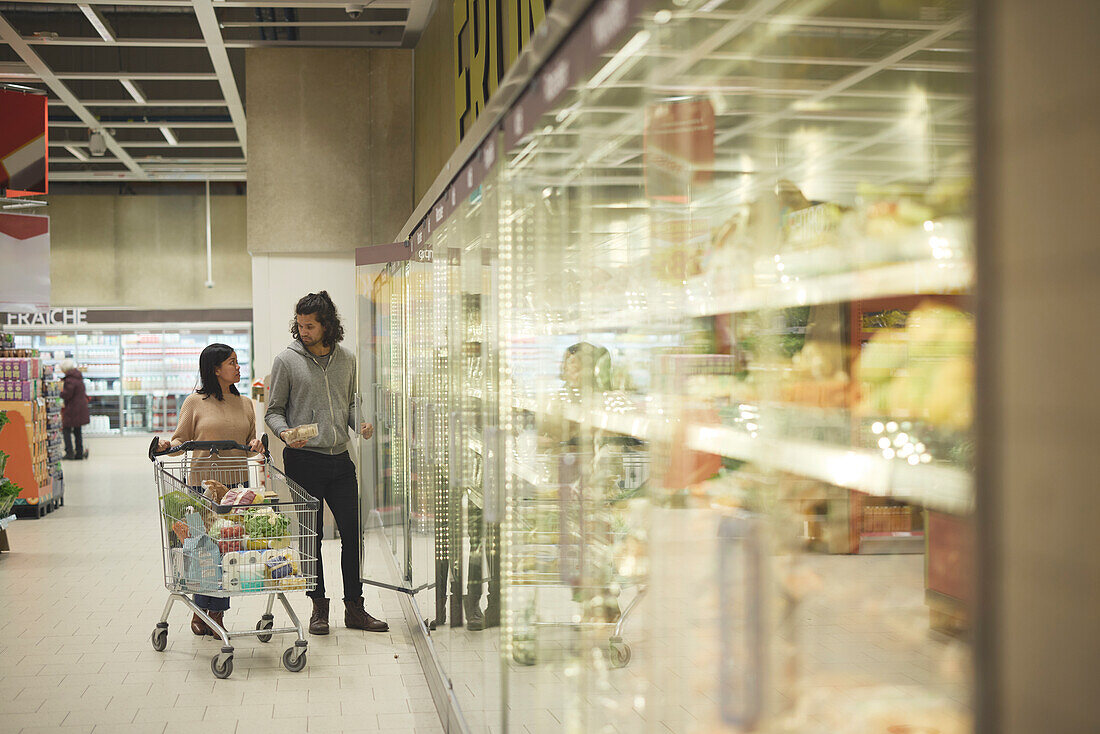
219, 619
318, 622
356, 618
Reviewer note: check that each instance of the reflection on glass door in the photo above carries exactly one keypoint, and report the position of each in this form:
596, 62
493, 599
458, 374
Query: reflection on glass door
704, 342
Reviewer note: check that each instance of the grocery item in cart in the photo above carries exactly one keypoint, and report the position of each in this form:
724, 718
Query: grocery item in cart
229, 535
214, 490
281, 563
238, 498
265, 528
202, 559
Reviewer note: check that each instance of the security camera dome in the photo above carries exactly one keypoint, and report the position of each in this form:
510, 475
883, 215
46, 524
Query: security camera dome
97, 145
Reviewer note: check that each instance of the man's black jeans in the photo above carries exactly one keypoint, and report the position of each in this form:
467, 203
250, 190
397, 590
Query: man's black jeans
331, 479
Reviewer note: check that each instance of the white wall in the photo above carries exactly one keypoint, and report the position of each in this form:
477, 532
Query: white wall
278, 281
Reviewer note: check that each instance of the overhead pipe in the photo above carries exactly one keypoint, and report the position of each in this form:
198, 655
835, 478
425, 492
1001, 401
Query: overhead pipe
209, 242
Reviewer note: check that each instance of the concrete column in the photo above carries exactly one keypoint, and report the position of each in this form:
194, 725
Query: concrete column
1039, 289
330, 168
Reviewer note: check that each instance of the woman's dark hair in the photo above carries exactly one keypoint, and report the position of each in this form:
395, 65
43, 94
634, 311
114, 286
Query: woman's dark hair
321, 306
595, 364
209, 361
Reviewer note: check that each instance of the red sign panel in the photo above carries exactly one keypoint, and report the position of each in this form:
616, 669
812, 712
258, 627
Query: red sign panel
679, 147
23, 143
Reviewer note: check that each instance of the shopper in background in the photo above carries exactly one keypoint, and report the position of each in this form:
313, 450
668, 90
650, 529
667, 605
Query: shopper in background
313, 382
215, 412
74, 416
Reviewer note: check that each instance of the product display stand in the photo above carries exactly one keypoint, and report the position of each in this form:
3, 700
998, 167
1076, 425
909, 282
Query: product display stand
24, 441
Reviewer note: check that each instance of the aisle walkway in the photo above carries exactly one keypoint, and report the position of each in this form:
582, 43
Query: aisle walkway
80, 594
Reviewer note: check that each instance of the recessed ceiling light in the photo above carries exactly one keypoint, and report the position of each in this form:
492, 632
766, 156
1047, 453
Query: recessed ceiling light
45, 35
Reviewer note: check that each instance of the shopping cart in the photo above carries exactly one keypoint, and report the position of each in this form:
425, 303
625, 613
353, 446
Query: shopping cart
260, 537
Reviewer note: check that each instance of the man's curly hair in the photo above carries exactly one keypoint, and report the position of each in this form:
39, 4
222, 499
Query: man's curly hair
321, 306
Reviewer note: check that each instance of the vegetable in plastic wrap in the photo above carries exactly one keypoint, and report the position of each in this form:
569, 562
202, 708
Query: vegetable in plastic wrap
265, 523
175, 503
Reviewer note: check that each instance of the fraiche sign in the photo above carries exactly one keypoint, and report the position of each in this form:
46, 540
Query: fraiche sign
52, 317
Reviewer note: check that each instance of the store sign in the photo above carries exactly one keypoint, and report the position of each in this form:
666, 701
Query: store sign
23, 143
83, 316
24, 262
602, 28
488, 38
581, 54
49, 317
379, 254
679, 148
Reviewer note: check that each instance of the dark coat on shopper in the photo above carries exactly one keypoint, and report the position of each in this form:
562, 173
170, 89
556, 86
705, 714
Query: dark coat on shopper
75, 412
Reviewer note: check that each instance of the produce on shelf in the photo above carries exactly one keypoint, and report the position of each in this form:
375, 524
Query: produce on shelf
923, 372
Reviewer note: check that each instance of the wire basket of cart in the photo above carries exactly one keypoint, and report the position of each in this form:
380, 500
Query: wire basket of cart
233, 525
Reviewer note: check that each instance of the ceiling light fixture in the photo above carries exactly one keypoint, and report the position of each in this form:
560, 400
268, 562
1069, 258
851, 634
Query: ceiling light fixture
169, 135
134, 91
77, 153
102, 27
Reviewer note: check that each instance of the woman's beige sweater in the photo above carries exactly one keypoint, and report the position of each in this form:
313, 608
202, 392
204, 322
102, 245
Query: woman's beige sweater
205, 418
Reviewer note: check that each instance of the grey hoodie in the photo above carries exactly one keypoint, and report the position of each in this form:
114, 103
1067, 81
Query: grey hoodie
302, 391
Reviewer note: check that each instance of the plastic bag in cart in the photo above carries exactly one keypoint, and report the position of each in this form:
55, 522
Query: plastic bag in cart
202, 559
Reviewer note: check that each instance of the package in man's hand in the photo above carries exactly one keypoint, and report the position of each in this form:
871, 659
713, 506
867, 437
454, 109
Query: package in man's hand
301, 433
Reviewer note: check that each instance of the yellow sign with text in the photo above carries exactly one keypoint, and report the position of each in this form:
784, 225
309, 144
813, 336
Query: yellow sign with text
488, 37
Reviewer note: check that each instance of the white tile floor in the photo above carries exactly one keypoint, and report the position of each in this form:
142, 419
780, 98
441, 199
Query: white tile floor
82, 589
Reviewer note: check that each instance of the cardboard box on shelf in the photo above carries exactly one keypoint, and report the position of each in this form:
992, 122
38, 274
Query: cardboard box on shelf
12, 368
18, 389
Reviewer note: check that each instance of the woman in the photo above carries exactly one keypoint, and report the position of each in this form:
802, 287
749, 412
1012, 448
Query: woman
215, 412
75, 413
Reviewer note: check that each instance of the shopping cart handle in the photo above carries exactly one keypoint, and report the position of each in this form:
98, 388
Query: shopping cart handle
212, 446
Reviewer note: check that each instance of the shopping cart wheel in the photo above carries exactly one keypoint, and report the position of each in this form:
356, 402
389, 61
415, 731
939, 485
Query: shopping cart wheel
264, 624
292, 663
160, 639
619, 653
222, 664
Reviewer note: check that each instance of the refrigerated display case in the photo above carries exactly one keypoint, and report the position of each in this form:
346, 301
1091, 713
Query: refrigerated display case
137, 376
686, 348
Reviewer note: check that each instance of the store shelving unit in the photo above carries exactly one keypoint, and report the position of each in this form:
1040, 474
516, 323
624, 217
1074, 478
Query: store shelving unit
137, 377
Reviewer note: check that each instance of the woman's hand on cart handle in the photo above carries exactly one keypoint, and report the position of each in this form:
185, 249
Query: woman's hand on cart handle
163, 445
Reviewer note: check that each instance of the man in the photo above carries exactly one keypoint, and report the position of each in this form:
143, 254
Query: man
313, 381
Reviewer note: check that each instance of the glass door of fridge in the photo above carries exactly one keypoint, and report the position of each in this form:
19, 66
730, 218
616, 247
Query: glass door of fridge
737, 378
807, 170
385, 507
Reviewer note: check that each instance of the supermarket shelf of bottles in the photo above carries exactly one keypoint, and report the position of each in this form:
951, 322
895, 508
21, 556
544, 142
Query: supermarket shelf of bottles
136, 380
